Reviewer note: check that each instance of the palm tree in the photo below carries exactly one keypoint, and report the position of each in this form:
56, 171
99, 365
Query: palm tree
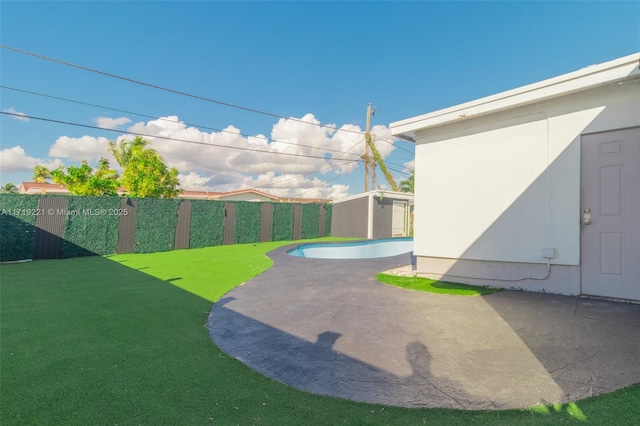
9, 188
41, 174
125, 150
407, 184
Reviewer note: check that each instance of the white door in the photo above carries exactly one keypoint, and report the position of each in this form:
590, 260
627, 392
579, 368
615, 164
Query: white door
399, 219
610, 214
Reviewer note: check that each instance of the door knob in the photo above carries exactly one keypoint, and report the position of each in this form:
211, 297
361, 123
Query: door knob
586, 221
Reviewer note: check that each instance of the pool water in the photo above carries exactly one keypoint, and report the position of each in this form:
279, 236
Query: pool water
369, 249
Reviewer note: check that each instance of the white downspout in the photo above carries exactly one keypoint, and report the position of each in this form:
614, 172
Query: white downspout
370, 217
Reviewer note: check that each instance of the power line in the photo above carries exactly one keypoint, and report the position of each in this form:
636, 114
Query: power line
399, 171
165, 89
294, 178
308, 190
165, 119
317, 171
200, 126
391, 143
178, 92
68, 123
198, 34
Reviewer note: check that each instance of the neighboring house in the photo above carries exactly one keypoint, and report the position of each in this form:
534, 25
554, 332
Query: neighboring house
41, 188
535, 188
239, 195
304, 200
373, 214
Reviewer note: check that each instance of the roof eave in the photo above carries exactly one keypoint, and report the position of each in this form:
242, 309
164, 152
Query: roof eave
586, 78
378, 193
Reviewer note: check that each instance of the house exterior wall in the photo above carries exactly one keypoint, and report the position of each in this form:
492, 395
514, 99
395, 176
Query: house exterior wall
492, 191
382, 217
350, 218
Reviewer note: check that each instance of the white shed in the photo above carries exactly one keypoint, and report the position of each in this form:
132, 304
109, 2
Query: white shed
536, 188
373, 214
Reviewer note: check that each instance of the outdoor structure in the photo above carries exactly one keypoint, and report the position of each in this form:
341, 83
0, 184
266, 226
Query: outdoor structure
35, 188
535, 188
373, 214
239, 195
248, 194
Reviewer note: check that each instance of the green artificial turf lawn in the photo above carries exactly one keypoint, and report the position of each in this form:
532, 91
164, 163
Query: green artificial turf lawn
123, 340
434, 286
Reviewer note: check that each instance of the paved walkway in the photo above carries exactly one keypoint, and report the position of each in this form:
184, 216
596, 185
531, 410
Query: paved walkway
328, 327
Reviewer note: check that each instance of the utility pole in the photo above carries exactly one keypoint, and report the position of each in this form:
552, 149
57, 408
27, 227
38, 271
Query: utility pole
367, 142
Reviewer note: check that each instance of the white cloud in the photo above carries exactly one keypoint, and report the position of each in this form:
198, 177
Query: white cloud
282, 185
16, 159
409, 165
18, 115
227, 160
111, 123
298, 141
78, 149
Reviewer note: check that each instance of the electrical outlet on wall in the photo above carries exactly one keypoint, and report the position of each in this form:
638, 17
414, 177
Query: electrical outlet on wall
548, 252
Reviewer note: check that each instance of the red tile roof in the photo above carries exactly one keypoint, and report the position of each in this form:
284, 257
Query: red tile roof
53, 188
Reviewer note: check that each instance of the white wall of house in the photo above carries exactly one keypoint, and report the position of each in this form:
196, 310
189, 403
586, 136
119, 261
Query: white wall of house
500, 187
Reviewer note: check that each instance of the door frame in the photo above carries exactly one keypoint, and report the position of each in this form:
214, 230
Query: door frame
405, 216
580, 207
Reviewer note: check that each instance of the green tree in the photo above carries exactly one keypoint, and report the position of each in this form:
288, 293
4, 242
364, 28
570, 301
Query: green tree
144, 172
407, 184
9, 188
84, 180
125, 150
41, 174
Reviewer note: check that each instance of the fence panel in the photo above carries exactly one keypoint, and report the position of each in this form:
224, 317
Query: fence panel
266, 222
207, 223
322, 221
297, 222
183, 228
17, 226
127, 226
229, 222
68, 227
50, 228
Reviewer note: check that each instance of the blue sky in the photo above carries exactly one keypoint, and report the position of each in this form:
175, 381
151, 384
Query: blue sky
319, 62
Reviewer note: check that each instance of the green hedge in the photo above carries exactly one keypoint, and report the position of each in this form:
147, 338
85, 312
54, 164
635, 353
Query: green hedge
327, 221
92, 228
156, 221
247, 224
282, 229
207, 219
310, 221
17, 227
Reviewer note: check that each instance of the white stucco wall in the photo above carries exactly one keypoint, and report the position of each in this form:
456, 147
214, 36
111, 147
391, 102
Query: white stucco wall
503, 186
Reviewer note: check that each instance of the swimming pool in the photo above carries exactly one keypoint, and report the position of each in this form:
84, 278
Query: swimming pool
369, 249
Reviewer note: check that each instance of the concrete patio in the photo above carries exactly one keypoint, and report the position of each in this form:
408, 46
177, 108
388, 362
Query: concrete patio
329, 327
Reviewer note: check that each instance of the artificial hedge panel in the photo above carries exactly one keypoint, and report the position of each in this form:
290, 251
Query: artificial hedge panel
91, 226
247, 224
18, 214
310, 218
282, 222
207, 218
156, 221
327, 219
